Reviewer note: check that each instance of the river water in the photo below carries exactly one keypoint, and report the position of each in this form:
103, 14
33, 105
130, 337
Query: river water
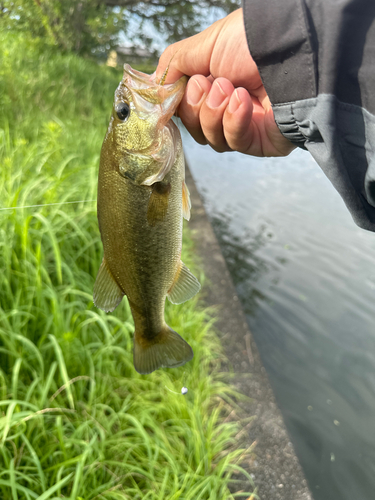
305, 274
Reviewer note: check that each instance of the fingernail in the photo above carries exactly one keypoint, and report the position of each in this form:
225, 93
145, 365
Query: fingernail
216, 96
235, 102
194, 93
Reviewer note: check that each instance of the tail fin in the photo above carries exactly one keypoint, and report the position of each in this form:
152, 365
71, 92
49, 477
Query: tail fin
166, 350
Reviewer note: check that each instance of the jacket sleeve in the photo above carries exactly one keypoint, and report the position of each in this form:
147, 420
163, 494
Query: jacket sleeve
317, 62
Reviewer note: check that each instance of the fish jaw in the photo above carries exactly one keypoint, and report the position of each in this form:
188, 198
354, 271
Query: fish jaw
171, 97
168, 97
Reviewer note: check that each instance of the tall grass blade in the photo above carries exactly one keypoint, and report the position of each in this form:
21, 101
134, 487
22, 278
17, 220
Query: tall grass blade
63, 370
47, 494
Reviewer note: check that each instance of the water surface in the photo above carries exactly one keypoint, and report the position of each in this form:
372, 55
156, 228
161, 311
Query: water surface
306, 276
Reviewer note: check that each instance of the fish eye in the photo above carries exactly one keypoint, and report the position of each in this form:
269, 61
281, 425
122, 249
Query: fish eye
123, 111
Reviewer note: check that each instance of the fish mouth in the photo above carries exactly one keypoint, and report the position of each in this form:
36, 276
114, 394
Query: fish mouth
168, 97
142, 79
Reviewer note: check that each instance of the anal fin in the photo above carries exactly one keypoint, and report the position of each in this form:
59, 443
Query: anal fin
184, 287
107, 293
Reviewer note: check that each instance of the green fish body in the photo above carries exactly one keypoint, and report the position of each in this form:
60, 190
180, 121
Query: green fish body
141, 201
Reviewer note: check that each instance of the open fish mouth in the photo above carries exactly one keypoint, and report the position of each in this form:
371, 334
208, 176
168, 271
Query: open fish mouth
141, 79
146, 93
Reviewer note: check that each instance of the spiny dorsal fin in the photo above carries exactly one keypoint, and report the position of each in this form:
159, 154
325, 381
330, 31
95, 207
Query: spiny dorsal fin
184, 287
186, 203
107, 293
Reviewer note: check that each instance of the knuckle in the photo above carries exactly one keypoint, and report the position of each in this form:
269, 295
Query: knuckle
221, 147
238, 137
201, 140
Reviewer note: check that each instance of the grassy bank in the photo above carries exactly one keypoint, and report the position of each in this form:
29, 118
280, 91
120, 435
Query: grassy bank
76, 420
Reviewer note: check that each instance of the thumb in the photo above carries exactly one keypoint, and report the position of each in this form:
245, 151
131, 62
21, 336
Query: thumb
189, 57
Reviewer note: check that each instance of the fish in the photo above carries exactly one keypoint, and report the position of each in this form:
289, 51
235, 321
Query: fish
142, 199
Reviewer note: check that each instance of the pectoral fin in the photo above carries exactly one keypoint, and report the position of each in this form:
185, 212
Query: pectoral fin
184, 287
158, 203
186, 203
107, 293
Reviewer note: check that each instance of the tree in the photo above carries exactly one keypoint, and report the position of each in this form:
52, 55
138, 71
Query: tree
93, 26
81, 26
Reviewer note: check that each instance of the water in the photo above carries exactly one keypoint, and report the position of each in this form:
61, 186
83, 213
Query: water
306, 277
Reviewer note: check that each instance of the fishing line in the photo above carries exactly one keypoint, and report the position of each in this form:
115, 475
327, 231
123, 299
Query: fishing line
184, 389
48, 204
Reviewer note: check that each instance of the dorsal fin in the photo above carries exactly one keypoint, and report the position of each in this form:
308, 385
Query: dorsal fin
186, 203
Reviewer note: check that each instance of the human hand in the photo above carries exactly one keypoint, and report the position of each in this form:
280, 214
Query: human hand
225, 103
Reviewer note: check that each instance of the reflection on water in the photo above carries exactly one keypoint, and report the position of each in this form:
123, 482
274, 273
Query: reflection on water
306, 276
241, 254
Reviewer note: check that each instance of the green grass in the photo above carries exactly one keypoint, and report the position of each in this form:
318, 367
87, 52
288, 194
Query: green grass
76, 420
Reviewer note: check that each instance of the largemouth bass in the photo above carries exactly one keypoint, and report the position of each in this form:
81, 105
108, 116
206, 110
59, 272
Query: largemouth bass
142, 198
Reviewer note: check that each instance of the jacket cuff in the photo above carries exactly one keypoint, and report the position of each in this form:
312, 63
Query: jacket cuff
278, 37
319, 125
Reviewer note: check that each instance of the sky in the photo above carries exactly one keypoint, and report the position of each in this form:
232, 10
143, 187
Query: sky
159, 42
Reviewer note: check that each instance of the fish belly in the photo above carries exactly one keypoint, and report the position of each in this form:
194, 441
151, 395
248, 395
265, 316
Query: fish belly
143, 259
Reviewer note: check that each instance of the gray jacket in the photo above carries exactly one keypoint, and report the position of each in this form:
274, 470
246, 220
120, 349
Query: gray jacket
317, 62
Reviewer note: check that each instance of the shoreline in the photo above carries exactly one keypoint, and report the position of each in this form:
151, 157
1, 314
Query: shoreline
276, 469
